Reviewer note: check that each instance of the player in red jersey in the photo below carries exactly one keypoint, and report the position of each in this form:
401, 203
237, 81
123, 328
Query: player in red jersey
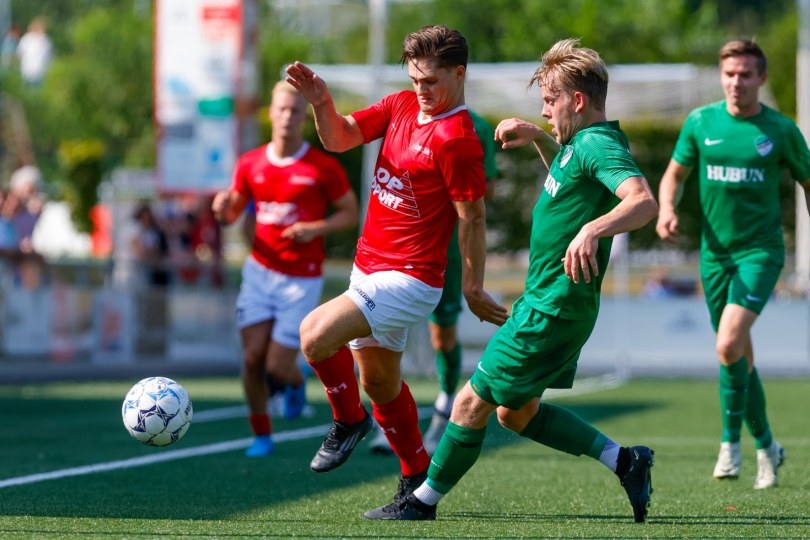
293, 186
429, 175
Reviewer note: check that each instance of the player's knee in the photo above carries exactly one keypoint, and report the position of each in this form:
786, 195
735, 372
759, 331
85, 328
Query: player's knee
253, 362
469, 410
380, 388
443, 339
728, 351
311, 340
511, 420
444, 344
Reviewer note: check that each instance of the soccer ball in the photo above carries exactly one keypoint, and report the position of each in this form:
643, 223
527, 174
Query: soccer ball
157, 411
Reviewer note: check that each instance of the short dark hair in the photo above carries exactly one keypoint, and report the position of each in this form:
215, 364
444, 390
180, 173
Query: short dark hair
436, 41
745, 47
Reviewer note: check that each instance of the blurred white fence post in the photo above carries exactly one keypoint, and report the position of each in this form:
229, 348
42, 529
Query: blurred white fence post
803, 109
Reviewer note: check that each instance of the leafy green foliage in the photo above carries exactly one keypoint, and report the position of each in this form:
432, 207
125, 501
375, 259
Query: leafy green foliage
81, 164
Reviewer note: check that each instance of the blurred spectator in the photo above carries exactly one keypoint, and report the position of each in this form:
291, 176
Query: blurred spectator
195, 238
657, 285
150, 246
26, 199
25, 266
206, 243
179, 218
8, 237
25, 185
8, 49
660, 284
35, 52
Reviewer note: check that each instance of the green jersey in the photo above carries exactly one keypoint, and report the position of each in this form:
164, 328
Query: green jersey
740, 164
580, 187
486, 133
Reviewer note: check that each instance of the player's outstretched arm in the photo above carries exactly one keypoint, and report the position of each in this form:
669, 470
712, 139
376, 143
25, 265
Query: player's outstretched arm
473, 247
636, 209
669, 192
514, 132
338, 133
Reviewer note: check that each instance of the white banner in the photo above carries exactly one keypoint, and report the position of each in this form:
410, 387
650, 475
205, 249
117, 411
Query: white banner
198, 65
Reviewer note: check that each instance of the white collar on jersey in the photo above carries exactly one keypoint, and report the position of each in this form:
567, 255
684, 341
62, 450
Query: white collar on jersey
422, 120
278, 161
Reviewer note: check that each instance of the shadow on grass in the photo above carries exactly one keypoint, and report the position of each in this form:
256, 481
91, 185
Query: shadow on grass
696, 520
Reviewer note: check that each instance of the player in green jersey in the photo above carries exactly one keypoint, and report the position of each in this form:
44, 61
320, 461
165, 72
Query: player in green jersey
740, 147
593, 191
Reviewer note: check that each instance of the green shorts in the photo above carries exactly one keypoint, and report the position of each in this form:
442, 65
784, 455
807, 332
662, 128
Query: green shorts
532, 351
449, 306
747, 282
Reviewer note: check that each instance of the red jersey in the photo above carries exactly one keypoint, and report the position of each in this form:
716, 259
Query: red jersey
286, 191
421, 169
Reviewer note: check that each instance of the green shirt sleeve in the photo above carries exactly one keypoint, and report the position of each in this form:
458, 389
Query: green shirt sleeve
797, 155
486, 133
608, 161
686, 150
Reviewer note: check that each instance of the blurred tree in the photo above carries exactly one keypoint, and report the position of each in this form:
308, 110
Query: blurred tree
98, 88
778, 39
80, 161
102, 86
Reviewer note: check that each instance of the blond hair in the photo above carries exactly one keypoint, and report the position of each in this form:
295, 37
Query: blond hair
569, 67
284, 86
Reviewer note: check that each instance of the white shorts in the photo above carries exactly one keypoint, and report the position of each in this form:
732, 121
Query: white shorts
392, 302
269, 295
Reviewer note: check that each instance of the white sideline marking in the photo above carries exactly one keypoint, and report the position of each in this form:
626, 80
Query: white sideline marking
582, 387
205, 450
223, 413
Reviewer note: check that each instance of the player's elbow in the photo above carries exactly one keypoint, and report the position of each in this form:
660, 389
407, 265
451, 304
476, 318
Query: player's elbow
644, 205
649, 209
332, 144
472, 217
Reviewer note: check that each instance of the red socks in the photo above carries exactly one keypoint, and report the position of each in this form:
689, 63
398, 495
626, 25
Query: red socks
338, 378
260, 424
399, 420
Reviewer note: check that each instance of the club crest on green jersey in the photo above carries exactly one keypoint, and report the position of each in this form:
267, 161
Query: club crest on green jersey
764, 145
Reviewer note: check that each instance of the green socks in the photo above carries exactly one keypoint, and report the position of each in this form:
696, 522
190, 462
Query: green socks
457, 452
733, 384
756, 419
559, 428
448, 368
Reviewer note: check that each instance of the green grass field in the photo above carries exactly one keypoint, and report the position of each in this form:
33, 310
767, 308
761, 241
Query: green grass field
70, 470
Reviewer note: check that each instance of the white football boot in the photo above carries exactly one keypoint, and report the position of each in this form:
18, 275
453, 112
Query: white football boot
728, 461
768, 462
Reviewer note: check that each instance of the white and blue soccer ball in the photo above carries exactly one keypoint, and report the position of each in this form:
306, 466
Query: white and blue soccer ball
157, 411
